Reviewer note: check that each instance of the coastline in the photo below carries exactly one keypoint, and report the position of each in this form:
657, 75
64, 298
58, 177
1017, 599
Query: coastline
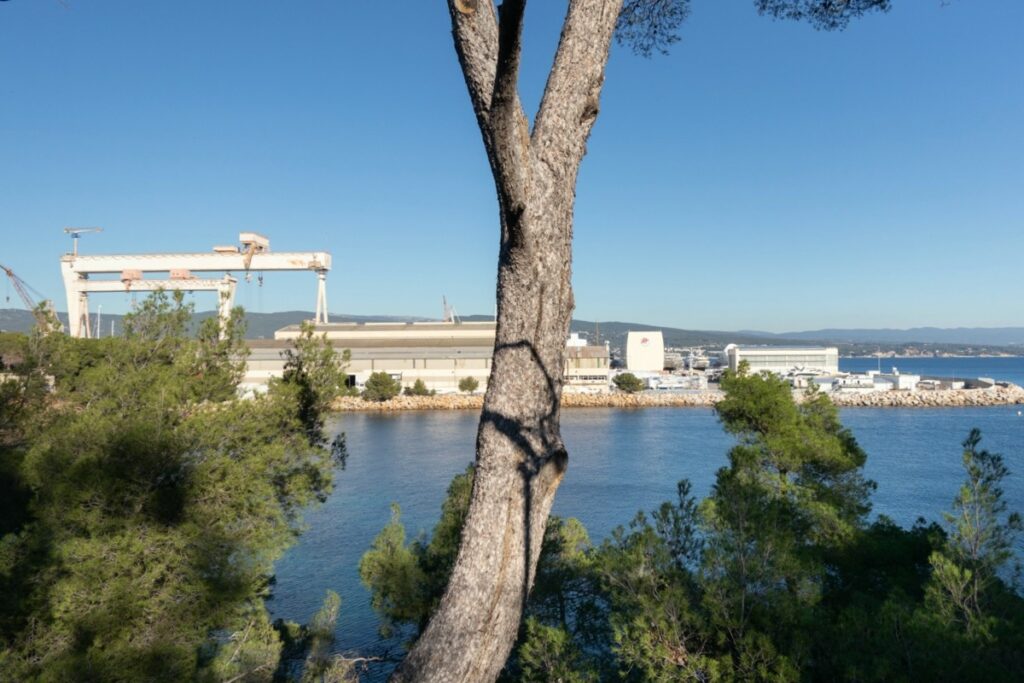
885, 356
948, 398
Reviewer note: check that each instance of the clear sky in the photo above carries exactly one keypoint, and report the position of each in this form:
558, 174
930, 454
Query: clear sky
763, 176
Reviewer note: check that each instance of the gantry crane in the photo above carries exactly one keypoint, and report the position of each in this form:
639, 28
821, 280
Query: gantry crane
254, 254
22, 288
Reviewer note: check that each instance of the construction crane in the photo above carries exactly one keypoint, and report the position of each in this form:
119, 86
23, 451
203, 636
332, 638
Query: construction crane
22, 288
450, 316
78, 232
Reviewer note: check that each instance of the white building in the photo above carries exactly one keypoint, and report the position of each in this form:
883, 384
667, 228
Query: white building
440, 354
575, 340
898, 381
859, 384
645, 351
587, 367
783, 359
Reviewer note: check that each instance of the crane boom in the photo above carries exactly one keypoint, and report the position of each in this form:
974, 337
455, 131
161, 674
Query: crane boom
22, 287
78, 232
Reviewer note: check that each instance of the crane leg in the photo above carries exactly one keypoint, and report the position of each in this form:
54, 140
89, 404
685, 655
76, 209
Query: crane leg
84, 328
227, 302
321, 298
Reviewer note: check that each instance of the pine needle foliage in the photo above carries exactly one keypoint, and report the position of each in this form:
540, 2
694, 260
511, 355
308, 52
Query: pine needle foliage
777, 575
153, 503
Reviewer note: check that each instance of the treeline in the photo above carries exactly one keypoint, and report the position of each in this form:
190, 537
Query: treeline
777, 575
144, 504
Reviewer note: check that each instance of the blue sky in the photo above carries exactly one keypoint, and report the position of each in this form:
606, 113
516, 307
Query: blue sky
763, 176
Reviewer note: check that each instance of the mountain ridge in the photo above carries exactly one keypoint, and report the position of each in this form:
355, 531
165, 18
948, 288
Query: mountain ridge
998, 336
850, 341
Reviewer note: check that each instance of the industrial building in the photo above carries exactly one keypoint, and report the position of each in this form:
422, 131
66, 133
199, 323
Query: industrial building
645, 351
587, 368
783, 359
439, 353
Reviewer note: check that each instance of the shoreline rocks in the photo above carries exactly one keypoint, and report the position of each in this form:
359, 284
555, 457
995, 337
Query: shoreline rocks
943, 398
949, 398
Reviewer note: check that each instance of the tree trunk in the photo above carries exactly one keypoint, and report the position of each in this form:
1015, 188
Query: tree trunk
520, 455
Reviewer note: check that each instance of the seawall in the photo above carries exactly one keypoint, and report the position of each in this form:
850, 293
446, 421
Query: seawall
950, 398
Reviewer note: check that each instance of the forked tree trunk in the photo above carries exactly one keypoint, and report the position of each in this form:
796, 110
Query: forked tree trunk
520, 454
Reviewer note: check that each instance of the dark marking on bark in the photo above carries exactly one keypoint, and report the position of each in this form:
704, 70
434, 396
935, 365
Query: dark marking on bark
590, 110
540, 315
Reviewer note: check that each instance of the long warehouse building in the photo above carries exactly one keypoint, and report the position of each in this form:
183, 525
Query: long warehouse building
783, 359
439, 353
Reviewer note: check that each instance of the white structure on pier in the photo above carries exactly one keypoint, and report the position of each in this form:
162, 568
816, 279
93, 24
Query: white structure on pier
783, 359
254, 254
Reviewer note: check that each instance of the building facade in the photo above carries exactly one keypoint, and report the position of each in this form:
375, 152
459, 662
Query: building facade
783, 360
645, 351
587, 368
441, 354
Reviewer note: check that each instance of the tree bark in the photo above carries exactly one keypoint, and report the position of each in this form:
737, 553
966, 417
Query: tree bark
520, 455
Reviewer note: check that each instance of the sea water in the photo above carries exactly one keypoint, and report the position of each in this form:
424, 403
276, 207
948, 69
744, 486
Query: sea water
621, 461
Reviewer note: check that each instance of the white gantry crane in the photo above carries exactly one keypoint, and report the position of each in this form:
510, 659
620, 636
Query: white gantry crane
254, 254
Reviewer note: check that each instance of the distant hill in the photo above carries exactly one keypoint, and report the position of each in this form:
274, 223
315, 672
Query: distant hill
984, 336
260, 325
614, 333
970, 341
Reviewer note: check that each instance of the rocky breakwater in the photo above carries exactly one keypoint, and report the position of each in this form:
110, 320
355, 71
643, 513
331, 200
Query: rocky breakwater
569, 400
442, 402
646, 399
952, 398
944, 398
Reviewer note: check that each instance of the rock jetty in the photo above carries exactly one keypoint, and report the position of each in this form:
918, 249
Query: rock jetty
995, 396
943, 398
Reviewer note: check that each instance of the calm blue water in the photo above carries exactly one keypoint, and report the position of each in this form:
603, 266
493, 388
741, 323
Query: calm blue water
1010, 369
620, 461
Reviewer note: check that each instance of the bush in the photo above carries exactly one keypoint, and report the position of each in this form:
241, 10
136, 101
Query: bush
418, 389
628, 382
381, 387
468, 384
317, 375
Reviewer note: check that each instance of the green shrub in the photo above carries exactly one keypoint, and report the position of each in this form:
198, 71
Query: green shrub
418, 389
381, 387
628, 382
468, 384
